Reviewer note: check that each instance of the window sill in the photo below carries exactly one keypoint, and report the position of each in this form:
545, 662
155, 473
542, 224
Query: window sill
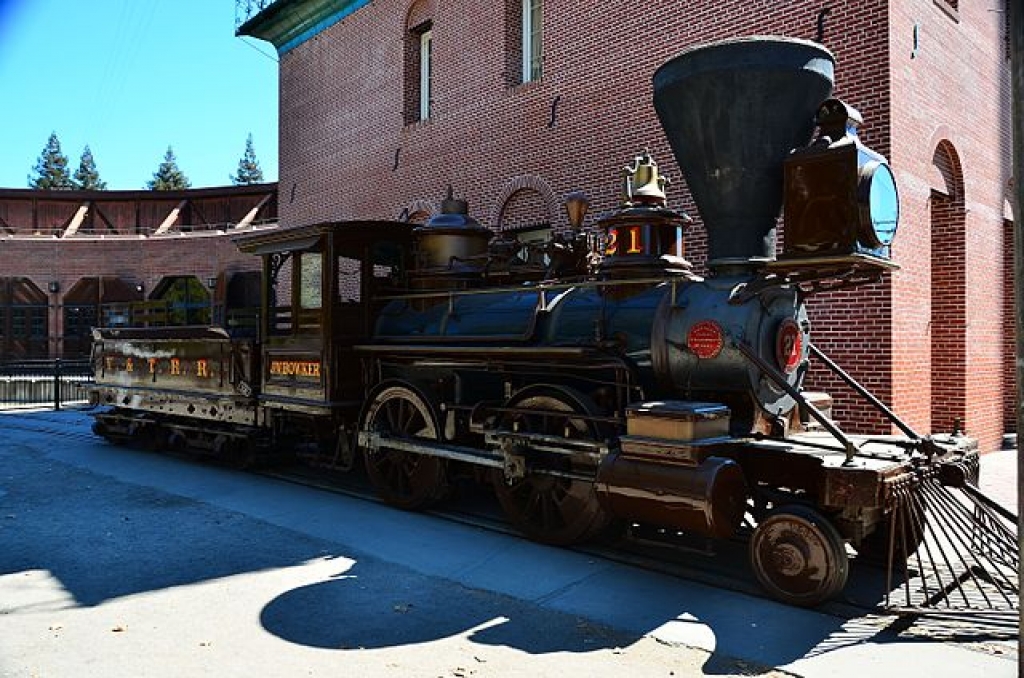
417, 124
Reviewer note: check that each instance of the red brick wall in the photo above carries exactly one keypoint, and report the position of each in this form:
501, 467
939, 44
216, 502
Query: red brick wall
137, 260
951, 91
346, 152
1009, 332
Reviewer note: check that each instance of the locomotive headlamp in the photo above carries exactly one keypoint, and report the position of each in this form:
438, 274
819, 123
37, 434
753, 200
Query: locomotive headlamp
840, 196
576, 205
879, 204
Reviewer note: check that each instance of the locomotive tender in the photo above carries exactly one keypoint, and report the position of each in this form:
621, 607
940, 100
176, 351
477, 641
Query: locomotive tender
591, 387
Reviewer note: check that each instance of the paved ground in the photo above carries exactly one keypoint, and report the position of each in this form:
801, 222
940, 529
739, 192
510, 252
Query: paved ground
119, 563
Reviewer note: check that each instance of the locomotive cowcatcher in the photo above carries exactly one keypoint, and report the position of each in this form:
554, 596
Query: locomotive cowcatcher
592, 377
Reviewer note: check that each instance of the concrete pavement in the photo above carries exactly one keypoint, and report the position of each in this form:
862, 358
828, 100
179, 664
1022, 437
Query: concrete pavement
115, 562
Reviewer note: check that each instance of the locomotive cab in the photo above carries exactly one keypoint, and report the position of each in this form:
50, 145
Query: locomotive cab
319, 283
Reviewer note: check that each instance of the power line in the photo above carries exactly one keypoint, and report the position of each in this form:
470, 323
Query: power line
249, 44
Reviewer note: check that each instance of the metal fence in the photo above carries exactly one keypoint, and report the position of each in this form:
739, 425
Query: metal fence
44, 383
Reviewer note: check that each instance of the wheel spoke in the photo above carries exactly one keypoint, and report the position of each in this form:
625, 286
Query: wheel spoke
404, 479
546, 508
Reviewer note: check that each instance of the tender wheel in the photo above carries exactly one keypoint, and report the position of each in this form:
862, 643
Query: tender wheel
151, 437
798, 556
547, 508
239, 453
403, 479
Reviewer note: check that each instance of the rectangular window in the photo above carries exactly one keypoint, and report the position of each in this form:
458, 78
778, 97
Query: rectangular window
38, 323
310, 281
19, 328
426, 46
533, 39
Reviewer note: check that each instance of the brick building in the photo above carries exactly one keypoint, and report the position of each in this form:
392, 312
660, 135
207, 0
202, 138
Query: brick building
71, 260
385, 103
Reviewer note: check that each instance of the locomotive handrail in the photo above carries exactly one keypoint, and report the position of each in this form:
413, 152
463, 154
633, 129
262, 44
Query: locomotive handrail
543, 286
867, 395
449, 349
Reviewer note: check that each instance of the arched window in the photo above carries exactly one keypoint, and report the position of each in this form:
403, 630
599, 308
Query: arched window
418, 61
186, 299
525, 203
95, 302
524, 41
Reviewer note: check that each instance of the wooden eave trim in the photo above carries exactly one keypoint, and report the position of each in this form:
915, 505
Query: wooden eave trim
289, 23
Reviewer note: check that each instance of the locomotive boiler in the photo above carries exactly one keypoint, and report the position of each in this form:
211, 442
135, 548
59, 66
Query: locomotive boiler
595, 380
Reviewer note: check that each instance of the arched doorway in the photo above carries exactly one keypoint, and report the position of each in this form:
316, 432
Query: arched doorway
948, 291
95, 302
24, 327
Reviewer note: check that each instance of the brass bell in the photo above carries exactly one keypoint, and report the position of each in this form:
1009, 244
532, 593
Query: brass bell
644, 184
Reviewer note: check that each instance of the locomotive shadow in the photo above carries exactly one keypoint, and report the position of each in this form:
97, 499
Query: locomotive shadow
375, 607
378, 605
102, 539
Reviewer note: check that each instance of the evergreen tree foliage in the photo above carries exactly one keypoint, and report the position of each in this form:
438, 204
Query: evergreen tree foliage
249, 171
51, 170
87, 177
168, 177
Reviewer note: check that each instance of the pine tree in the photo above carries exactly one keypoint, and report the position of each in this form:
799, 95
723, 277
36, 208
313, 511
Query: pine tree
168, 177
87, 177
51, 170
249, 171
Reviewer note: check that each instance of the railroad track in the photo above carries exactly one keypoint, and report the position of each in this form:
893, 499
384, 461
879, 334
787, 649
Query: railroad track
721, 564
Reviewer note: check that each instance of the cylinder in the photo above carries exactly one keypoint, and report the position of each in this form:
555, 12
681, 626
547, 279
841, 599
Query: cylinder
732, 111
707, 499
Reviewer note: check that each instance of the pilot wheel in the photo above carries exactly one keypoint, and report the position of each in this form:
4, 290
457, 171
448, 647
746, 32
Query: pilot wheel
798, 556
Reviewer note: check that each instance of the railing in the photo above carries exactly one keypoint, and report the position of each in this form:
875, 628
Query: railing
154, 313
47, 383
247, 9
21, 231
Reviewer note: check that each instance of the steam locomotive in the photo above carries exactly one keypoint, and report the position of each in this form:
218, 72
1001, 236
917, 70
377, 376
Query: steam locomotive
594, 379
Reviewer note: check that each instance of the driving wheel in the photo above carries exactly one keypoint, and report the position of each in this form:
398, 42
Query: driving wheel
407, 480
544, 507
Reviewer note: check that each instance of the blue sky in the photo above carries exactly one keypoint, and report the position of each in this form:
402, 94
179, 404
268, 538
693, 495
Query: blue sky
129, 78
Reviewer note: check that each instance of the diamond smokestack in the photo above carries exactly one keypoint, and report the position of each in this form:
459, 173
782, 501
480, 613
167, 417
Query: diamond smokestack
732, 111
